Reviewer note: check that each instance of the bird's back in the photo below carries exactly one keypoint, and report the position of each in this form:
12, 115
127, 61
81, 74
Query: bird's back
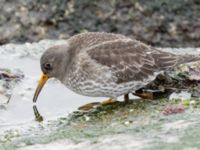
89, 39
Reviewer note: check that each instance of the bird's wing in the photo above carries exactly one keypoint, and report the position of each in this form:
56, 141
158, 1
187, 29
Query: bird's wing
131, 60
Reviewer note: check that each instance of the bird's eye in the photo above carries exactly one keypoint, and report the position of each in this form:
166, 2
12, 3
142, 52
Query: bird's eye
48, 67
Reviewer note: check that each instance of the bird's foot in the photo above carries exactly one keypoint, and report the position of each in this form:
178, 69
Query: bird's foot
108, 102
94, 105
145, 95
89, 106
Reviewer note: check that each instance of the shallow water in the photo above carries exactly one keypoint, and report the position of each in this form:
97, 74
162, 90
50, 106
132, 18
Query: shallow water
55, 99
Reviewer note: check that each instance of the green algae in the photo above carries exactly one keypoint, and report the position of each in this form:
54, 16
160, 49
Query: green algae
137, 118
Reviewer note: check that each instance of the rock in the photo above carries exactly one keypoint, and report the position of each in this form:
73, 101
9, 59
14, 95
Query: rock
8, 80
152, 22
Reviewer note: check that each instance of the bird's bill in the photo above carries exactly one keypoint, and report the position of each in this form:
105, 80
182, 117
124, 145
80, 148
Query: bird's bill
41, 83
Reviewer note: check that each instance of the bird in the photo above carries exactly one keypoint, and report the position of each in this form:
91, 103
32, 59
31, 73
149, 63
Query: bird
100, 64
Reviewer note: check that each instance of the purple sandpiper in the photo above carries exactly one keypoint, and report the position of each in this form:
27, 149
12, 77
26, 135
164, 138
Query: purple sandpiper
105, 65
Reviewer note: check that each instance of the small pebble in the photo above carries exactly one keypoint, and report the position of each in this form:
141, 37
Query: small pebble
87, 118
128, 122
192, 102
131, 110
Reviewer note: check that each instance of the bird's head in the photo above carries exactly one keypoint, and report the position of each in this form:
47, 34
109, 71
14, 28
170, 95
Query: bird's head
53, 65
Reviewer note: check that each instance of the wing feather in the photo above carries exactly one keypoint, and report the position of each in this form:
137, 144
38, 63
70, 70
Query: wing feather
131, 60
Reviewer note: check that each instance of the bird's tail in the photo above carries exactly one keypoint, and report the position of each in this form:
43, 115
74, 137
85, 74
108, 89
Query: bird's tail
188, 58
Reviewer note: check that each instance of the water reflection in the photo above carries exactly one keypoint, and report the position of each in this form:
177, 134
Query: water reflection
38, 117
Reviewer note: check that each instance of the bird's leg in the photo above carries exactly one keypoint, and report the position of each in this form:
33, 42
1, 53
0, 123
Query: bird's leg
126, 98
